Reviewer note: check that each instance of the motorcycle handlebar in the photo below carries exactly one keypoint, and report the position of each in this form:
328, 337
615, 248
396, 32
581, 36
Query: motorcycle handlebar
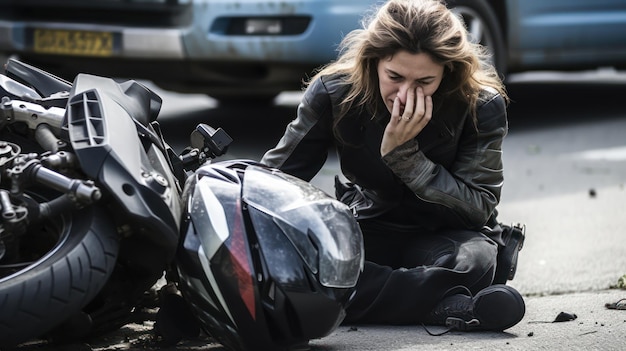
30, 113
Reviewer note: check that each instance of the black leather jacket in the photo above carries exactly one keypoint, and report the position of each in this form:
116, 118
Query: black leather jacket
449, 176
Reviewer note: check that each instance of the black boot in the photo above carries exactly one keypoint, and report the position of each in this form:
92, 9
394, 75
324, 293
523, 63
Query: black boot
497, 307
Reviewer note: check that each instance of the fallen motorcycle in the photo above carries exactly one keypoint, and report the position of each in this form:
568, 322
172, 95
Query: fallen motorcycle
96, 206
90, 203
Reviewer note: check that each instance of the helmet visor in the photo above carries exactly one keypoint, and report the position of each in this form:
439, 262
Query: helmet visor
322, 229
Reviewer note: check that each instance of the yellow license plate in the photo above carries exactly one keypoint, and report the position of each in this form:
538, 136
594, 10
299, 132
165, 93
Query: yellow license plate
72, 42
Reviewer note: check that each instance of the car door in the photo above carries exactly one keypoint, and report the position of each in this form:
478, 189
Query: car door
565, 33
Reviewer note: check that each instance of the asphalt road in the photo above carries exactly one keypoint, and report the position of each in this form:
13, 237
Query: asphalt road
565, 172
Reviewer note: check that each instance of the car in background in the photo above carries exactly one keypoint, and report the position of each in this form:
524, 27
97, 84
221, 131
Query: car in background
235, 50
561, 35
225, 48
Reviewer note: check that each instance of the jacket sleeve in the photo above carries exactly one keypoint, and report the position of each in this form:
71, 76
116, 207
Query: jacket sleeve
303, 148
471, 187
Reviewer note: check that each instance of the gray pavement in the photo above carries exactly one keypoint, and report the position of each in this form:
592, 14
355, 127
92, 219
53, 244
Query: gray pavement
595, 328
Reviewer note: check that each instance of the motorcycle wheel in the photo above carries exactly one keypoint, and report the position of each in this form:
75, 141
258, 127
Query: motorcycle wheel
66, 275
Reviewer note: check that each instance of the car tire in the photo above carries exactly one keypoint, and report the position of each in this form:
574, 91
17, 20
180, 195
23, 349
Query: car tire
483, 26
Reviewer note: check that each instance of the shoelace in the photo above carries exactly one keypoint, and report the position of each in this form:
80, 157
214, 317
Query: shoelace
453, 323
619, 305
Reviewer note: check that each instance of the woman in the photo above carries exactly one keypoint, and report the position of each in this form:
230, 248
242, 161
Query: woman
418, 117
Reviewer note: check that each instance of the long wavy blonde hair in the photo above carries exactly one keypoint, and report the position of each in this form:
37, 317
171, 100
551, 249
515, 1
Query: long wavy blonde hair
416, 26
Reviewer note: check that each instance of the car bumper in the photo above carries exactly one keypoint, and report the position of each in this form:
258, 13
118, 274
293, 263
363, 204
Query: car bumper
207, 36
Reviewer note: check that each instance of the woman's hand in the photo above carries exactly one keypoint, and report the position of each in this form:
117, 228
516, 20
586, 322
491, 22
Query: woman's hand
407, 121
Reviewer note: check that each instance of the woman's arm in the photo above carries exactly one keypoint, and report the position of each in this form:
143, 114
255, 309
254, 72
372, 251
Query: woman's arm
303, 148
471, 187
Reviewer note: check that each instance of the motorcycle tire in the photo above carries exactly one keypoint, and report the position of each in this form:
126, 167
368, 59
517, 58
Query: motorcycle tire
63, 280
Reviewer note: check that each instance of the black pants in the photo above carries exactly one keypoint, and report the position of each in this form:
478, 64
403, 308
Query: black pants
407, 273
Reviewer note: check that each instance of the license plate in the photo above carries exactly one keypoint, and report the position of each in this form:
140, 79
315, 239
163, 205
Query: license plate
72, 42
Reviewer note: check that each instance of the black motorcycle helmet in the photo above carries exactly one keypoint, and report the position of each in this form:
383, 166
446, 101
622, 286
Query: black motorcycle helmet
267, 261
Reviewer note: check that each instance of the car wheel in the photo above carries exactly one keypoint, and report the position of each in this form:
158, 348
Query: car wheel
482, 25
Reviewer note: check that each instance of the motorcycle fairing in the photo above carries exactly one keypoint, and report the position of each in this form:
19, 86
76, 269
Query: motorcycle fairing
131, 167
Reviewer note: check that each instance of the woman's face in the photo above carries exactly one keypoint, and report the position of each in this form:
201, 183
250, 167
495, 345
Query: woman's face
403, 72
